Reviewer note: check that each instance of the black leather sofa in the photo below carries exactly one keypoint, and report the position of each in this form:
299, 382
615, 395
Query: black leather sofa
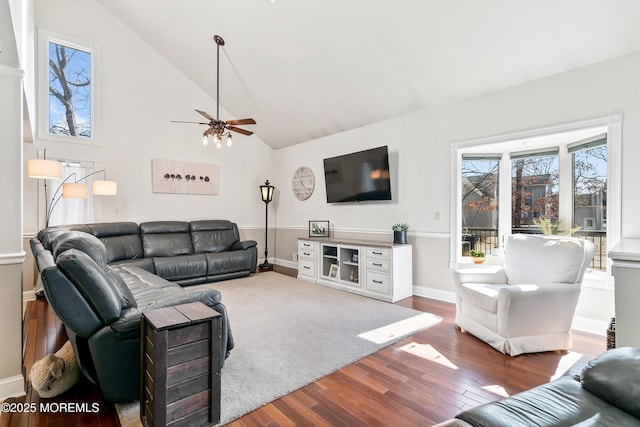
607, 393
99, 278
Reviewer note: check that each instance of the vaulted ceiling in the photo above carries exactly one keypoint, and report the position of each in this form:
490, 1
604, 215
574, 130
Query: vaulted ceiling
307, 69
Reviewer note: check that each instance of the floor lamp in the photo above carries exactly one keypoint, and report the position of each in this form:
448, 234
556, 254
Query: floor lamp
52, 169
266, 192
44, 169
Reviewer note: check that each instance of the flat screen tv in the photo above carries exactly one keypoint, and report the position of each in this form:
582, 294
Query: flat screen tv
358, 177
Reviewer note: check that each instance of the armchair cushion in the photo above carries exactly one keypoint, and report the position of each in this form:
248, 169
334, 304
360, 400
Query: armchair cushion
544, 259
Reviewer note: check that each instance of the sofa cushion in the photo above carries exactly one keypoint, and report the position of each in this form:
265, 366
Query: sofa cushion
151, 291
227, 262
97, 287
47, 235
165, 238
213, 235
180, 267
122, 239
560, 403
614, 376
144, 263
82, 241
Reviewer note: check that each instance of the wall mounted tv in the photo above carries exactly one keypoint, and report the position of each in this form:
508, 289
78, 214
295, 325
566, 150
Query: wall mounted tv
358, 177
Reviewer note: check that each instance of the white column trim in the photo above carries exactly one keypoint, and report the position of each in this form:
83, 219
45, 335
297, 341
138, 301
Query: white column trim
12, 258
12, 387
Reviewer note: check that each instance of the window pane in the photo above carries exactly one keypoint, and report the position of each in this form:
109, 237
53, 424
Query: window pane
69, 91
534, 193
590, 199
479, 205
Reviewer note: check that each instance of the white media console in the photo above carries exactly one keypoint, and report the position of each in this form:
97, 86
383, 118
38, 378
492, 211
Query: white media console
374, 269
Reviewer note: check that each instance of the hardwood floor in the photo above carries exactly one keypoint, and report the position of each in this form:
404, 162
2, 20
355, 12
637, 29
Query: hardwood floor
43, 333
422, 380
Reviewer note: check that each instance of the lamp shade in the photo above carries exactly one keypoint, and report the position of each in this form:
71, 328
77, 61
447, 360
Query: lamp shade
75, 191
266, 192
104, 188
44, 169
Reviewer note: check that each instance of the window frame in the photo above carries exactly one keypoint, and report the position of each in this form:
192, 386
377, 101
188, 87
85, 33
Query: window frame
613, 128
44, 38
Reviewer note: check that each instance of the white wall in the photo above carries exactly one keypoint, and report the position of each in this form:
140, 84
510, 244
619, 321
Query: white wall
139, 94
419, 145
11, 253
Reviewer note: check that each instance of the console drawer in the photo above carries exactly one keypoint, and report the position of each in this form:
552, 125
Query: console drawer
306, 267
379, 282
306, 249
378, 264
378, 253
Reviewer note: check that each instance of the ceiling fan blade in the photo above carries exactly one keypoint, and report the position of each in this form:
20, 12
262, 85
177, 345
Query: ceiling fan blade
204, 113
183, 121
242, 131
241, 122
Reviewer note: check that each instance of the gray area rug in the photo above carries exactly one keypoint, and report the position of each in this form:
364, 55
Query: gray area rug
289, 333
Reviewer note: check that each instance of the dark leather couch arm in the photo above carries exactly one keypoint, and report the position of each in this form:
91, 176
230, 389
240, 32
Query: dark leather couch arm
129, 322
614, 377
244, 245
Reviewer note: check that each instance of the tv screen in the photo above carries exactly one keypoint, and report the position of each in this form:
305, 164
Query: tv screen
359, 176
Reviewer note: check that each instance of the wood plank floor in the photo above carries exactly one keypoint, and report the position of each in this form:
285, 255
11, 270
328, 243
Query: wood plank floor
422, 380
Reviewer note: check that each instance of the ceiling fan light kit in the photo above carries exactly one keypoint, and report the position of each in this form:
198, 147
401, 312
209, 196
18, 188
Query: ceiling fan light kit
219, 128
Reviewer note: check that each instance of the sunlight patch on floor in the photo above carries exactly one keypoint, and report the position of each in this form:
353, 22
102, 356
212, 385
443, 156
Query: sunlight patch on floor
402, 328
496, 389
565, 363
427, 352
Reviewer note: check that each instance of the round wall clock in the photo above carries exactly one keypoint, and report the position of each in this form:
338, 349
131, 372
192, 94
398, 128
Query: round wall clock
303, 182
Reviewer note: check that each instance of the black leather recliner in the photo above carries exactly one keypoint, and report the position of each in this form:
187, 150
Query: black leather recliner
101, 304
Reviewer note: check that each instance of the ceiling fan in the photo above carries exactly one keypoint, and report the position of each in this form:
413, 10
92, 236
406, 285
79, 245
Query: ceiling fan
219, 128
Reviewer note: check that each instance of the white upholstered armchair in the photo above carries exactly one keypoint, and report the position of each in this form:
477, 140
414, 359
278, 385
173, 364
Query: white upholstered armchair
526, 306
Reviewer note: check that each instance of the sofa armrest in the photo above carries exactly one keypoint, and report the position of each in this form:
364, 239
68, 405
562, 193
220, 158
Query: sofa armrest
129, 320
493, 275
614, 376
243, 245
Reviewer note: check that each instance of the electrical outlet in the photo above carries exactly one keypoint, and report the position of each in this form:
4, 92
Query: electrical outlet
437, 216
294, 256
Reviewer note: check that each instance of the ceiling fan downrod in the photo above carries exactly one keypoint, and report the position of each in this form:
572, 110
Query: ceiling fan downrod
219, 42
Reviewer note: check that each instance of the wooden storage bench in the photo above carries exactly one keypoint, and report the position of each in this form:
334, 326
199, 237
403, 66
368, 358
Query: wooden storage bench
180, 366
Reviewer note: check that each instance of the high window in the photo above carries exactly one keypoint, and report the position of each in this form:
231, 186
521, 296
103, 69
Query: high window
558, 185
67, 70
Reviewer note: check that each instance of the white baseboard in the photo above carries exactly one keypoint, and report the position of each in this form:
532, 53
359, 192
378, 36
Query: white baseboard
28, 295
437, 294
592, 326
11, 387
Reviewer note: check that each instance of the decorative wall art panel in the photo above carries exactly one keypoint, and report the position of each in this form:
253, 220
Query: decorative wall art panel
172, 176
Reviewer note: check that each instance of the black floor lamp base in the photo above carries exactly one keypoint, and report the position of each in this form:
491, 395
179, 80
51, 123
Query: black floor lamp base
265, 266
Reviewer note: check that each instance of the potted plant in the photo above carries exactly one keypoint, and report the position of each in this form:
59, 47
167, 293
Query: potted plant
400, 233
477, 256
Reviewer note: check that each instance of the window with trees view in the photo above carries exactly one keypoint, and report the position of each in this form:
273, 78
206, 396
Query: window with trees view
67, 88
550, 190
70, 86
